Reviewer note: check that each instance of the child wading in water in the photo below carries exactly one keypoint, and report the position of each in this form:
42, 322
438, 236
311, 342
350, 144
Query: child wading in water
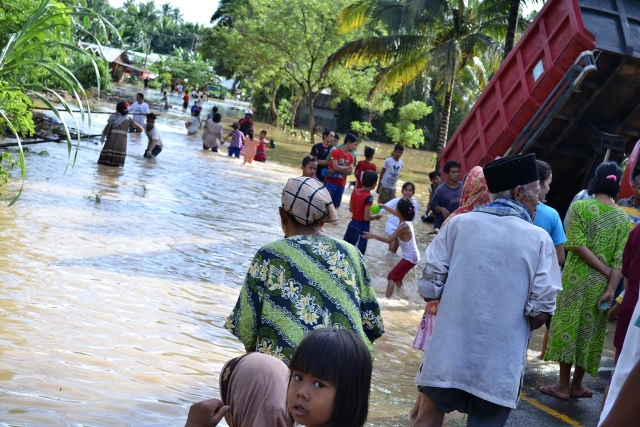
360, 207
249, 147
236, 140
408, 190
406, 211
261, 152
329, 380
309, 166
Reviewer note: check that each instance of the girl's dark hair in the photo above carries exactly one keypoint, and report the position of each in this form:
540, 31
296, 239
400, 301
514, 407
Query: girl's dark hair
406, 209
217, 117
544, 170
408, 183
235, 126
340, 357
600, 184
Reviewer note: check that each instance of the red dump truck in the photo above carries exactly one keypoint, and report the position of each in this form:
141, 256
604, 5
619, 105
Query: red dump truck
569, 92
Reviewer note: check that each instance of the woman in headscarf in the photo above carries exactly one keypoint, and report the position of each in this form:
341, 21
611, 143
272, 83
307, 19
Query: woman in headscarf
474, 193
212, 134
305, 281
253, 393
114, 151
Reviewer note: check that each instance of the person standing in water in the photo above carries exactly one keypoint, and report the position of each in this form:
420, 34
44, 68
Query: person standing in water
139, 111
115, 132
154, 147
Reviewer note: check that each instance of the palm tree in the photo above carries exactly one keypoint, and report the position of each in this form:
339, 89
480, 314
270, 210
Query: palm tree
420, 38
177, 16
166, 10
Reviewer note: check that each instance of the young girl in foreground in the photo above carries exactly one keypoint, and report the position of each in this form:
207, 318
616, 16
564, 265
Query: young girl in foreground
329, 380
405, 235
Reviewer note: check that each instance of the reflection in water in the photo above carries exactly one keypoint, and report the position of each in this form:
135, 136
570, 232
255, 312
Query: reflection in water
111, 308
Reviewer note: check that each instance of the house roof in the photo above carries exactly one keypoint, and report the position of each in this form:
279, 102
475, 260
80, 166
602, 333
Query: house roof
132, 67
110, 53
323, 100
151, 58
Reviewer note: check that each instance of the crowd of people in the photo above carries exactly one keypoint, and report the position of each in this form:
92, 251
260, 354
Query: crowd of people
308, 301
138, 117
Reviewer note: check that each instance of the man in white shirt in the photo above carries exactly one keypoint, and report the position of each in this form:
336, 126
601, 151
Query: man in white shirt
154, 147
139, 111
497, 277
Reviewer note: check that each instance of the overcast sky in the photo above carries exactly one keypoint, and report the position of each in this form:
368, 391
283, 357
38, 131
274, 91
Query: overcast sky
199, 11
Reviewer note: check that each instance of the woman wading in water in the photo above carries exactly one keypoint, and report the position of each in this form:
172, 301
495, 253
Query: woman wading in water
114, 151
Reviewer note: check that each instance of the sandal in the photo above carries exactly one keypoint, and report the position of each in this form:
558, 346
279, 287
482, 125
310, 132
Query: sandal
584, 393
548, 390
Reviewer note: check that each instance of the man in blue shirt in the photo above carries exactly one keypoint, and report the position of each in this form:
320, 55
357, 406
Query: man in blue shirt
548, 219
446, 198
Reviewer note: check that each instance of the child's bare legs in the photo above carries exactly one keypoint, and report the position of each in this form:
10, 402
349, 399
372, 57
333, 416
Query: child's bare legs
393, 246
545, 340
391, 286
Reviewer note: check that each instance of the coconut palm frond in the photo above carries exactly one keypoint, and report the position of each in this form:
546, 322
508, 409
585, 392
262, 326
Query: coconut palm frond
355, 15
401, 73
478, 43
376, 50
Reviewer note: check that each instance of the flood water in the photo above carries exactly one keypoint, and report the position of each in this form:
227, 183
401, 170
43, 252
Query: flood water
116, 282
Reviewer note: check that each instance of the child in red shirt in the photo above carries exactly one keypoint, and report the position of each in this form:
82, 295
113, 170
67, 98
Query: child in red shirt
341, 164
360, 207
365, 165
261, 153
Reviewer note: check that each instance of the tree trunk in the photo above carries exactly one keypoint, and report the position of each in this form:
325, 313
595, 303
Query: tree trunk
294, 111
444, 123
312, 123
272, 103
512, 25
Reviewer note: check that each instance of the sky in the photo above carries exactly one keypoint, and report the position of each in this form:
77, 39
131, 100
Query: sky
199, 11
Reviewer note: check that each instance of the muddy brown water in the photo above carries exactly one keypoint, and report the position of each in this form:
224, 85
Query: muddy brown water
116, 282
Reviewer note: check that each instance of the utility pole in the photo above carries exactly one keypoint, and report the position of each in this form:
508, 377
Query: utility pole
147, 55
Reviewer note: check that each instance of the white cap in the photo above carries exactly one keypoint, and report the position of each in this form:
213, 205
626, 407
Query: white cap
248, 112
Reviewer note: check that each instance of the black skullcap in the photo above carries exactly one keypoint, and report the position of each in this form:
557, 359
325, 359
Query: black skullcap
509, 172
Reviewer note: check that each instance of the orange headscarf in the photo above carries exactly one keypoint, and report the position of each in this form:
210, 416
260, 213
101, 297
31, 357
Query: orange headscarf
474, 193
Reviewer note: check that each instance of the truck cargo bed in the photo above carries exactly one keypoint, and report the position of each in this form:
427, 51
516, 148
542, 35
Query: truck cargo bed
569, 91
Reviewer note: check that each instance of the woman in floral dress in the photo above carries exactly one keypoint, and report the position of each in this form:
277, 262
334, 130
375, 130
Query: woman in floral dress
305, 281
596, 237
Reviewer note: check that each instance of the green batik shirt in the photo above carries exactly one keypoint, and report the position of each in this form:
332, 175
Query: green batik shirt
299, 284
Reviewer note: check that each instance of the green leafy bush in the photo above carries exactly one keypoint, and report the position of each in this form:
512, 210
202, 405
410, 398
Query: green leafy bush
17, 106
85, 72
